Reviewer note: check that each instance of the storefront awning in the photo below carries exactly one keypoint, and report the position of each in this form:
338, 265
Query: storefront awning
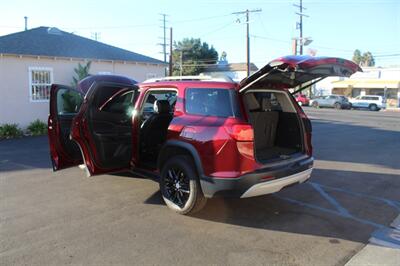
367, 84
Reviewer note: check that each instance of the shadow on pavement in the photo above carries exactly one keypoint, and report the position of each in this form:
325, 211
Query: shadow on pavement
24, 153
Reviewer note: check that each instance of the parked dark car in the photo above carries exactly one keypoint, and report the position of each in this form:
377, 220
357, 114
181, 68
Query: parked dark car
333, 101
202, 138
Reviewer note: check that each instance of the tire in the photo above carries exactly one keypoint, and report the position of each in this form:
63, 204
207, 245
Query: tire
373, 107
180, 186
315, 104
337, 106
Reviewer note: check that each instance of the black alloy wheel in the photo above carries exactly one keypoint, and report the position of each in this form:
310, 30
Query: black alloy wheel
180, 185
177, 186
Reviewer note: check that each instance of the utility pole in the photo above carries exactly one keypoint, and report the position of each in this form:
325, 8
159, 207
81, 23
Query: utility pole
170, 52
164, 43
247, 12
300, 25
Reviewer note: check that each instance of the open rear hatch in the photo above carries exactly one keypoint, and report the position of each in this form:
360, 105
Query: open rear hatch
281, 129
292, 71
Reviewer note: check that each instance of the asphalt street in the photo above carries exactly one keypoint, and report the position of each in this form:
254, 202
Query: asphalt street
57, 218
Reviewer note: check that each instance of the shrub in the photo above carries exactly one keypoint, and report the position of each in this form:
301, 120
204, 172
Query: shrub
10, 131
37, 128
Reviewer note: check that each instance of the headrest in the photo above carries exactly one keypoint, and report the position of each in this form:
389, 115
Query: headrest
266, 104
252, 102
161, 107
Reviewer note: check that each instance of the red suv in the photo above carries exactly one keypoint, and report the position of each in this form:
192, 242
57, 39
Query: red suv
202, 138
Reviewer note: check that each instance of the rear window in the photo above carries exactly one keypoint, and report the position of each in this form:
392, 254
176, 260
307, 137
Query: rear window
212, 102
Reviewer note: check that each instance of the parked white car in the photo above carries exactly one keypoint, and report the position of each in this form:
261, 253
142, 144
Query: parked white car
371, 102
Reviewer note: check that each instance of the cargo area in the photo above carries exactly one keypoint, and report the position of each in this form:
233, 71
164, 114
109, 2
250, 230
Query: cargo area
276, 125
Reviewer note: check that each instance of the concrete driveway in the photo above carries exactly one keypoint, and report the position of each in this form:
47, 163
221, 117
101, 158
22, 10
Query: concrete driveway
56, 218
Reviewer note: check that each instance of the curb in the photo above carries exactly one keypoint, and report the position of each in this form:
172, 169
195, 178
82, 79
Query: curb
375, 255
383, 248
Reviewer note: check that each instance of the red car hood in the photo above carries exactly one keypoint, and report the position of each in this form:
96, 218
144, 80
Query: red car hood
292, 71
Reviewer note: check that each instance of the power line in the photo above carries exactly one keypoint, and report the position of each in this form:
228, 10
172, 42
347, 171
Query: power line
199, 19
387, 55
218, 29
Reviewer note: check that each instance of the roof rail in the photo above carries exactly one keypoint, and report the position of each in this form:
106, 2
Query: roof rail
190, 78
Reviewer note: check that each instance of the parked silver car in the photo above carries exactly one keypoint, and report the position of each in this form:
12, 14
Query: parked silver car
334, 101
371, 102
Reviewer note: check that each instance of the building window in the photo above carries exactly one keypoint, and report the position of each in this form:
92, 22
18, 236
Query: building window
40, 80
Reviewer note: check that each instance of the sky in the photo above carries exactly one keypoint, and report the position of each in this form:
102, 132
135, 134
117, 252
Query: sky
337, 28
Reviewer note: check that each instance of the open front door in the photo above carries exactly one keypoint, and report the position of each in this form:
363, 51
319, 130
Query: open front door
65, 103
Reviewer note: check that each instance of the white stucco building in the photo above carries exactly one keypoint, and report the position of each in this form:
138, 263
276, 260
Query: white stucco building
30, 61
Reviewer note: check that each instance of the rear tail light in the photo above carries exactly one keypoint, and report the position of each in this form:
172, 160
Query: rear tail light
241, 132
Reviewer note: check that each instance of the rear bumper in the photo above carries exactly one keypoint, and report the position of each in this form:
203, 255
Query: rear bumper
276, 185
255, 184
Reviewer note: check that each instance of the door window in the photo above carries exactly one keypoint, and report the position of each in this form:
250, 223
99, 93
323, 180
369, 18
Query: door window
68, 101
120, 104
152, 96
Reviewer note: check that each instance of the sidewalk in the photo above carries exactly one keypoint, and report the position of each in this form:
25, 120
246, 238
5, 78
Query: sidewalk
387, 252
392, 109
375, 255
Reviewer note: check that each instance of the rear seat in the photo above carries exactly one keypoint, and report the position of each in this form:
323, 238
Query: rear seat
264, 121
268, 120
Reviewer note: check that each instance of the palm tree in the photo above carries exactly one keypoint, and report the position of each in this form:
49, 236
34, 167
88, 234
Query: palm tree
368, 59
82, 71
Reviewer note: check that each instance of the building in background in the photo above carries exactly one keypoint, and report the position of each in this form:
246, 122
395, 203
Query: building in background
372, 81
30, 61
236, 71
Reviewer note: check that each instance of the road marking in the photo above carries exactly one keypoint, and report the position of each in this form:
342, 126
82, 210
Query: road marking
340, 210
396, 223
393, 203
312, 206
386, 237
355, 167
331, 200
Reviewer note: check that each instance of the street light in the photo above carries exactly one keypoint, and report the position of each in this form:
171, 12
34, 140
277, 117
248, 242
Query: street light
301, 42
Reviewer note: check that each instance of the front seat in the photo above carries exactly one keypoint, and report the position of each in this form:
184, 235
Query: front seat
153, 132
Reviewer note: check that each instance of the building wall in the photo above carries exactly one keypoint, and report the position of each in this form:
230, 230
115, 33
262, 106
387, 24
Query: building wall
15, 103
234, 75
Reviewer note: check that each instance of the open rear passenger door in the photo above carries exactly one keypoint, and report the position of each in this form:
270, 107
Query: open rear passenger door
65, 103
105, 127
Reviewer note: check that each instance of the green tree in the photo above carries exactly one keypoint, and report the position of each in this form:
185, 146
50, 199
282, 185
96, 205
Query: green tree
194, 56
366, 59
357, 58
81, 72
